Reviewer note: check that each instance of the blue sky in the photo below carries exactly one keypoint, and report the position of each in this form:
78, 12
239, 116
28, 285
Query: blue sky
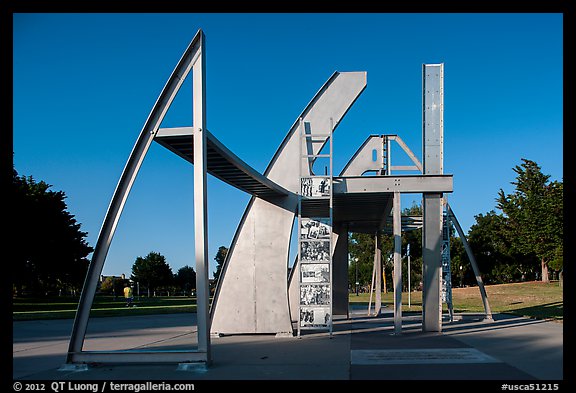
84, 85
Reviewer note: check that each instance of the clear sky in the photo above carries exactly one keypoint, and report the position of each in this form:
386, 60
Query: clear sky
84, 85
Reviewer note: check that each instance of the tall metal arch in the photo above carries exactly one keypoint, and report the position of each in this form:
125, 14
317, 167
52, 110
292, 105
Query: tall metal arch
192, 59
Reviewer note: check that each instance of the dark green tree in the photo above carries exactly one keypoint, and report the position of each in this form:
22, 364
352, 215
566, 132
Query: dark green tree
219, 258
48, 248
152, 271
494, 253
107, 286
556, 224
361, 249
185, 278
414, 238
361, 246
459, 265
534, 215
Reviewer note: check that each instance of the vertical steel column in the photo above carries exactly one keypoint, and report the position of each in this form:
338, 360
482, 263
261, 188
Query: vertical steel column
371, 290
200, 201
432, 263
388, 155
433, 119
432, 151
397, 230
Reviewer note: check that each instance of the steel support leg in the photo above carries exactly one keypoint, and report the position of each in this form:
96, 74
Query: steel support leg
432, 263
397, 230
470, 254
378, 274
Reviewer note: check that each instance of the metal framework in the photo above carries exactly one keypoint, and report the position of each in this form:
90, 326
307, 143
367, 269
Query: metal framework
253, 294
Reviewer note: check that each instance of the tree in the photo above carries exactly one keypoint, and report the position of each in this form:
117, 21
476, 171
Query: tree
185, 278
219, 258
414, 238
361, 246
361, 249
153, 271
48, 248
556, 224
534, 215
107, 286
492, 248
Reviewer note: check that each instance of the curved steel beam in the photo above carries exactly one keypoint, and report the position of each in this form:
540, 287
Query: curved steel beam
252, 293
123, 188
221, 162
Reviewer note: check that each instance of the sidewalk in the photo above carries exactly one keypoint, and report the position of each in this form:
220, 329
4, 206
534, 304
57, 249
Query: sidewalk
361, 348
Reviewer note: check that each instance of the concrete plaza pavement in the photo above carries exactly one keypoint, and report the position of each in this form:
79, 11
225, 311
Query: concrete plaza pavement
361, 348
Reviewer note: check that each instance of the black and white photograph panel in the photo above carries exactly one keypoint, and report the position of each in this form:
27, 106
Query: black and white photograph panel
315, 316
314, 295
315, 228
315, 273
314, 251
315, 187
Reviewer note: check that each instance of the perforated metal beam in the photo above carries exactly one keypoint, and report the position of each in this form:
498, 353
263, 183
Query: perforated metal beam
432, 150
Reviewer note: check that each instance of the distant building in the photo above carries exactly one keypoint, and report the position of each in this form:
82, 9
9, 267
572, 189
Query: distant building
117, 284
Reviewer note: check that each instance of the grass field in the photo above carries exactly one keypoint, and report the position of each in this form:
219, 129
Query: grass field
531, 299
104, 306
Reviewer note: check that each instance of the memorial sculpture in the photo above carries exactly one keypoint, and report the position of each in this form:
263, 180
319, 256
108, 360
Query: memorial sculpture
255, 293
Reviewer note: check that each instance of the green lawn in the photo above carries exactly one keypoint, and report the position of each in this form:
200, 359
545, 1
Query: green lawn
531, 299
104, 306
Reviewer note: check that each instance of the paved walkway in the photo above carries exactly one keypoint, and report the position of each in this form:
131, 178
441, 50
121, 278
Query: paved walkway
361, 348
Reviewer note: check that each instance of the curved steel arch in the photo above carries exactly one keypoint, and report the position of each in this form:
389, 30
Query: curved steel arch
192, 59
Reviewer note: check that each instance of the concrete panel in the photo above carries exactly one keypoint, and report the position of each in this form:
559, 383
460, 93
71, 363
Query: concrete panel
340, 271
332, 102
252, 294
294, 291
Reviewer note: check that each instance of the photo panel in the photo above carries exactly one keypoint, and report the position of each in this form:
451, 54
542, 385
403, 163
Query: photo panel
315, 316
315, 228
315, 187
315, 251
315, 273
315, 295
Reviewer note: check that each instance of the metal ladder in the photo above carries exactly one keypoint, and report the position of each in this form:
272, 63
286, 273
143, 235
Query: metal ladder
315, 243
